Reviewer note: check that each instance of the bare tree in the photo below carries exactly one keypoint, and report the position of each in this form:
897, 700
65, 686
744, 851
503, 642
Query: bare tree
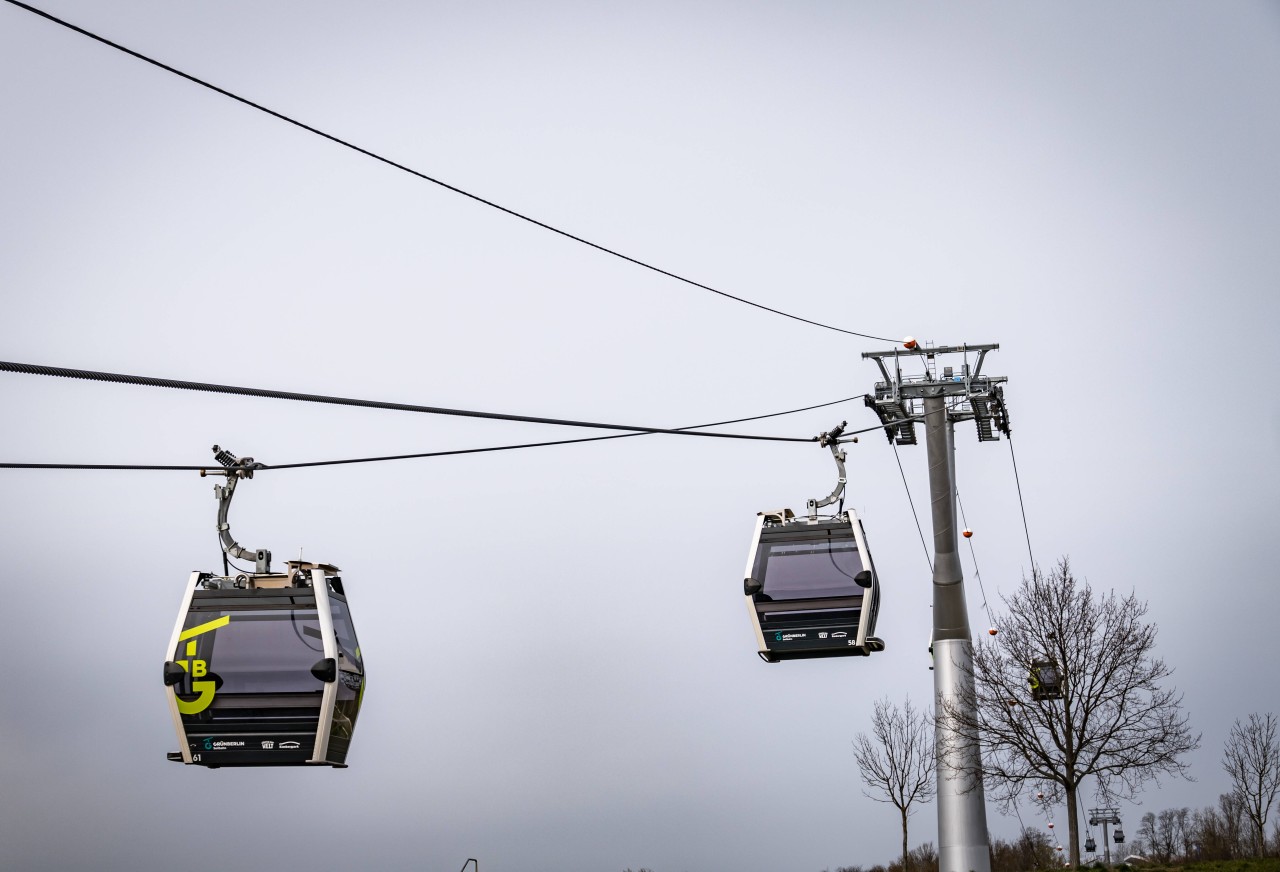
1166, 833
1219, 832
897, 760
924, 858
1252, 759
1031, 850
1110, 715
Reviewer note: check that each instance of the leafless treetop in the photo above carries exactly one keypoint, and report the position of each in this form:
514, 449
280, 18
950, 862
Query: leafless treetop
1252, 759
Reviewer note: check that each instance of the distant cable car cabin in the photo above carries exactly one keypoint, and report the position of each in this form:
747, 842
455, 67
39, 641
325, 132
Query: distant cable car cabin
1046, 680
263, 668
810, 585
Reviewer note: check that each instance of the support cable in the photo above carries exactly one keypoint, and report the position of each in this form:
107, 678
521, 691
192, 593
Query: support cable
1018, 812
427, 454
912, 502
1021, 504
1048, 819
148, 381
974, 555
421, 175
1083, 817
543, 444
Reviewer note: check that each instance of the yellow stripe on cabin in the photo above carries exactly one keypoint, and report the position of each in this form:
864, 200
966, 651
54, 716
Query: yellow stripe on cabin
201, 629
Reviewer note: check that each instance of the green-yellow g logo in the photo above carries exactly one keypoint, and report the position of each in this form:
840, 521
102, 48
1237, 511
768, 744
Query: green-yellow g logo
198, 668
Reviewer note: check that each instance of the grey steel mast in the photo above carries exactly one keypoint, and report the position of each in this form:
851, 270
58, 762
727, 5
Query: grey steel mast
1104, 816
939, 399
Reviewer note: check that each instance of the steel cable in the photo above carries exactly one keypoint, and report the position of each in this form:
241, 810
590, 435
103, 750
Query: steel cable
421, 175
208, 387
26, 368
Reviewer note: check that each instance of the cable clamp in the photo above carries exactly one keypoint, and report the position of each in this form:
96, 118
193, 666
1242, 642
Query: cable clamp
831, 440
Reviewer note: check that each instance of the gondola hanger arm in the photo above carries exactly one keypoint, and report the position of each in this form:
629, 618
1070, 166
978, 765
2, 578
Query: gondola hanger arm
235, 469
831, 439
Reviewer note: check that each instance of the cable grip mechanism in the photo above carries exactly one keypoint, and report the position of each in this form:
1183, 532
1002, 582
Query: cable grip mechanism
235, 469
831, 439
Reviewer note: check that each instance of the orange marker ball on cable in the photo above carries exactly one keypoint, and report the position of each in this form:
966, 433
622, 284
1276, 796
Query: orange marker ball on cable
909, 342
968, 534
992, 631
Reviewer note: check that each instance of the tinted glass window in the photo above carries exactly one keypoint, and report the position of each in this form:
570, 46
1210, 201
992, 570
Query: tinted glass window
809, 570
351, 675
1048, 674
261, 651
346, 635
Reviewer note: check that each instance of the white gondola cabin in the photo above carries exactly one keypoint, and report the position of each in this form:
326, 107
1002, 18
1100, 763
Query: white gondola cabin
263, 668
811, 587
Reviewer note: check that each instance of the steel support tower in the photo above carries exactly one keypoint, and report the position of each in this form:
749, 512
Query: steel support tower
1106, 816
939, 397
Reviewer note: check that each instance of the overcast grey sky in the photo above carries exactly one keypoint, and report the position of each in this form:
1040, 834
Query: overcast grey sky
562, 676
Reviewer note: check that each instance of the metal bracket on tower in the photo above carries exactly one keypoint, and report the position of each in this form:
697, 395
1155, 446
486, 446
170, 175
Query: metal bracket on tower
235, 468
897, 401
831, 439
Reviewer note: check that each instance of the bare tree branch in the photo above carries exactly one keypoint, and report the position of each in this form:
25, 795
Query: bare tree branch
1252, 759
1116, 720
897, 761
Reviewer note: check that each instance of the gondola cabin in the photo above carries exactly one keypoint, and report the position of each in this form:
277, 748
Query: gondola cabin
811, 587
264, 669
1045, 680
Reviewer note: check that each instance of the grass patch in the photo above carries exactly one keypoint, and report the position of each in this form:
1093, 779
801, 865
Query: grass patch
1265, 864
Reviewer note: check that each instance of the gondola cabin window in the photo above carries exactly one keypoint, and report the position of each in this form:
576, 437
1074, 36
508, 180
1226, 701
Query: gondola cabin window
263, 651
809, 570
